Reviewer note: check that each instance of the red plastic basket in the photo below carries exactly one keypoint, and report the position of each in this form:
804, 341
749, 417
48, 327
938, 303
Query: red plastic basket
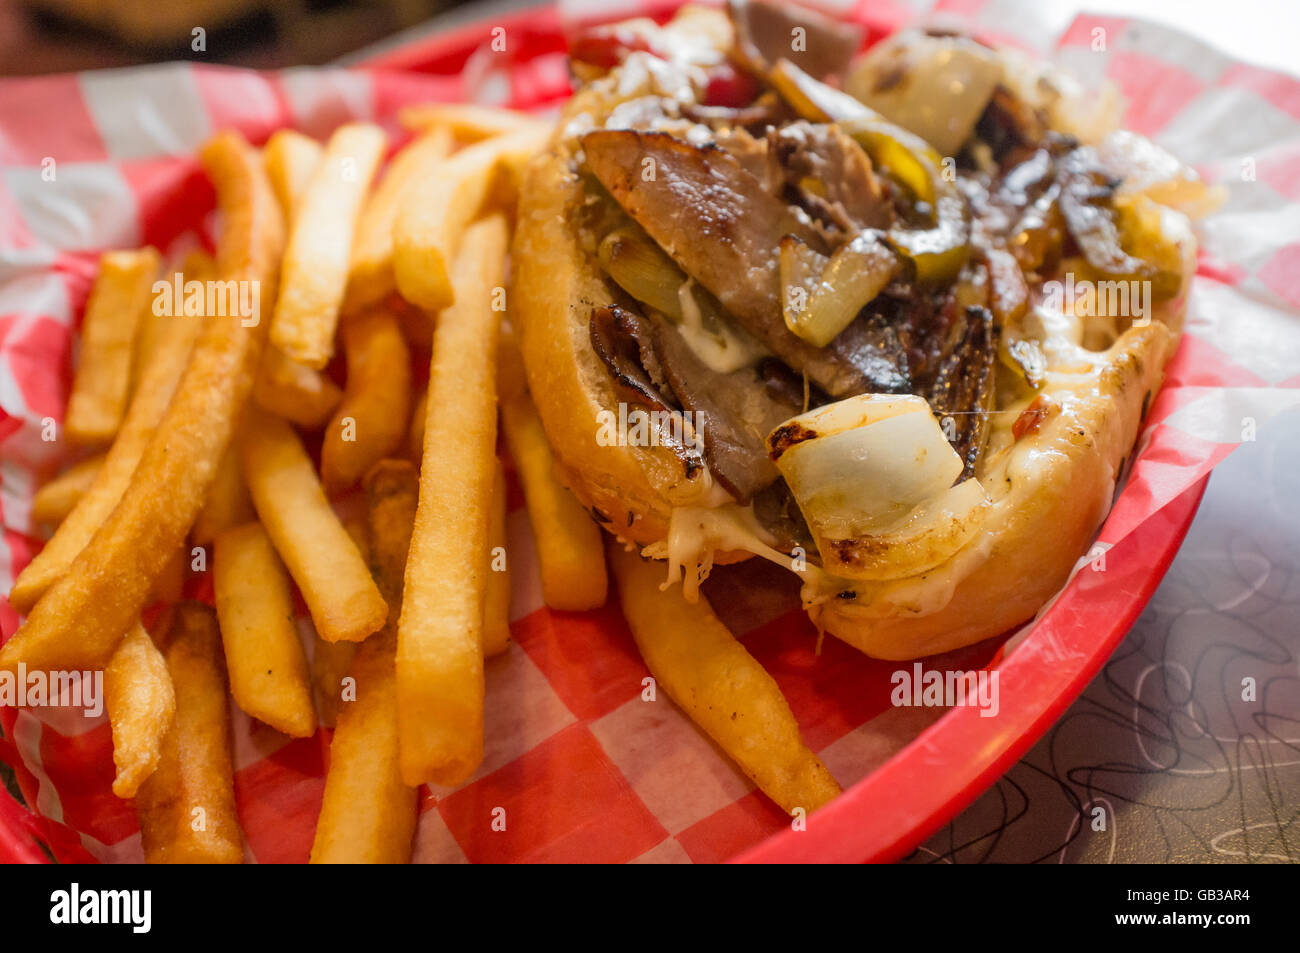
889, 812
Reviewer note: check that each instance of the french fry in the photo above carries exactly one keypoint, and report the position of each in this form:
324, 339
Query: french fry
570, 553
392, 492
228, 502
320, 245
157, 387
295, 391
335, 583
285, 387
170, 583
194, 781
371, 421
440, 635
469, 122
83, 616
415, 436
197, 266
290, 159
331, 661
496, 605
121, 296
435, 214
264, 656
370, 275
368, 813
56, 499
140, 700
720, 686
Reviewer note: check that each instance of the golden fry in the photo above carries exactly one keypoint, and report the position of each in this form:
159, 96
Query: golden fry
82, 618
157, 387
141, 702
122, 295
290, 159
323, 560
435, 214
320, 245
370, 274
496, 605
264, 656
228, 501
295, 391
371, 421
170, 583
56, 499
368, 814
570, 552
440, 636
720, 686
331, 661
468, 121
194, 780
197, 266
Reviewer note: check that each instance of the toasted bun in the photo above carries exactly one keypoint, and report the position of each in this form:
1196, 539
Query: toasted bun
555, 288
1056, 490
1050, 490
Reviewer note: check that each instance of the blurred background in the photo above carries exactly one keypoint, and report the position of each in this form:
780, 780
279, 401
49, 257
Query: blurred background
54, 36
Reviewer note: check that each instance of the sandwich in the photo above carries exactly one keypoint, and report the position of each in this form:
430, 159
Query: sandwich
892, 319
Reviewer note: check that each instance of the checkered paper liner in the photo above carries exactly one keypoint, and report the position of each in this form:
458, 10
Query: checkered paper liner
585, 769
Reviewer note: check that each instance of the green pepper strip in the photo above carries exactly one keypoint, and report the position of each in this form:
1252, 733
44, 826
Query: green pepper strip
938, 252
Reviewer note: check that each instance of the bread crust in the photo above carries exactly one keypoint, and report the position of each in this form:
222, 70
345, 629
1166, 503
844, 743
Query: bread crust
555, 287
1058, 490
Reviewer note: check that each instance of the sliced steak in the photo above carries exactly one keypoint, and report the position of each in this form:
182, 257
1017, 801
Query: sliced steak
963, 387
718, 223
765, 33
734, 412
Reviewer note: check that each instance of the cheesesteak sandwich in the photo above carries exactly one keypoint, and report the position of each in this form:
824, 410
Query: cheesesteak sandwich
893, 323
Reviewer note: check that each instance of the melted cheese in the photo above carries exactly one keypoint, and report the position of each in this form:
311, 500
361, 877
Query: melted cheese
721, 348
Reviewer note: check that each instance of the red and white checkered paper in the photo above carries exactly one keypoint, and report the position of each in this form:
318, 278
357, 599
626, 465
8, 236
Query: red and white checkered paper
585, 769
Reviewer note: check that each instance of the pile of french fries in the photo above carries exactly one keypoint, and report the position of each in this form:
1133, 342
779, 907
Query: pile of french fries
197, 433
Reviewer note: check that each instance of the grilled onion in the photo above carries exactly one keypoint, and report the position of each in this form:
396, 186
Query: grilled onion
936, 86
642, 269
937, 252
834, 289
873, 476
